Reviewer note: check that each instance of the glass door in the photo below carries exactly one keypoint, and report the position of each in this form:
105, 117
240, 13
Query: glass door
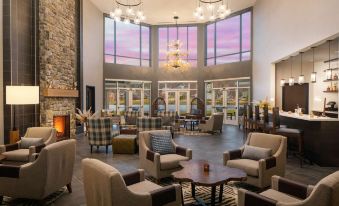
123, 101
243, 99
183, 102
230, 97
135, 95
177, 101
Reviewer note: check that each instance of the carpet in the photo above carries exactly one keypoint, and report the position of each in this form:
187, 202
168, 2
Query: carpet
204, 193
27, 202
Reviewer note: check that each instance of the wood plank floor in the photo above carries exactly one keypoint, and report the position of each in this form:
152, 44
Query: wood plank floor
208, 147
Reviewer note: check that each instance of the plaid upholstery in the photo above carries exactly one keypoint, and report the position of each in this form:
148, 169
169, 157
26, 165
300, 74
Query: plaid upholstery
100, 131
168, 117
131, 117
149, 123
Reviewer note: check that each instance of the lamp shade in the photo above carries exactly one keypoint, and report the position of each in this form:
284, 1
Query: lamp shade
21, 95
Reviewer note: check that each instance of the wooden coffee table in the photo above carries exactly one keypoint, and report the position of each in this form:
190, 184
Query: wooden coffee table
218, 175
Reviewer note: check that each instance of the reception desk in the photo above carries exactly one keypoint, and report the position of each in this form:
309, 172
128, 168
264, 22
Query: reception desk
321, 137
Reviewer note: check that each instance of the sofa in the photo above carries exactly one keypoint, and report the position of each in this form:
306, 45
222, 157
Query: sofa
160, 166
259, 172
20, 152
104, 185
52, 170
285, 192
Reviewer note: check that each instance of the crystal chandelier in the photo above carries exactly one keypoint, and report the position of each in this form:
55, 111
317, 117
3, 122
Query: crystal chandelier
130, 10
175, 55
212, 9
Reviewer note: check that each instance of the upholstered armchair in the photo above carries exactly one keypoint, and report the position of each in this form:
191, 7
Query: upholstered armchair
214, 123
286, 192
100, 132
259, 172
52, 170
104, 185
131, 117
20, 152
160, 166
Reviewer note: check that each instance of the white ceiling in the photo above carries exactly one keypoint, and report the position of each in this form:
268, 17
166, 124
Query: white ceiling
162, 11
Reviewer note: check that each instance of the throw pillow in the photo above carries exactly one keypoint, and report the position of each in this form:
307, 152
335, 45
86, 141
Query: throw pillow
162, 144
26, 142
256, 153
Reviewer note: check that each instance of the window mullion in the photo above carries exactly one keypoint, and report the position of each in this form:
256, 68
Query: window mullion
240, 39
140, 45
215, 43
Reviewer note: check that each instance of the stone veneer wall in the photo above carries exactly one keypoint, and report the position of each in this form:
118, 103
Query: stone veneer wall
58, 57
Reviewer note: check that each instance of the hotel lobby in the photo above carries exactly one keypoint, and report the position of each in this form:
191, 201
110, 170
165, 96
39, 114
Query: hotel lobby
169, 102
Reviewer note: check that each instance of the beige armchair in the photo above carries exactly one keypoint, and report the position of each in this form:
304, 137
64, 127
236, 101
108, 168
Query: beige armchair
104, 185
214, 123
15, 152
285, 192
259, 172
160, 166
52, 170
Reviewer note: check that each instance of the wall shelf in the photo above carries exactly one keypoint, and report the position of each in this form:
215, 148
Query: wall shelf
331, 80
61, 93
332, 69
330, 91
332, 60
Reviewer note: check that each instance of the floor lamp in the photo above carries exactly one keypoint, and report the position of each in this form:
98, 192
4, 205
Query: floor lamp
20, 95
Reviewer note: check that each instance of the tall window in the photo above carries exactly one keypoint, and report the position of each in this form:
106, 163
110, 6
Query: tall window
127, 44
229, 40
186, 34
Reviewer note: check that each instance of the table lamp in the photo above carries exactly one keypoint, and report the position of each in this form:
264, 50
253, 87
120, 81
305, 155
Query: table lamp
21, 95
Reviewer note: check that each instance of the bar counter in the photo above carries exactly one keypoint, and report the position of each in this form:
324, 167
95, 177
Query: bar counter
321, 137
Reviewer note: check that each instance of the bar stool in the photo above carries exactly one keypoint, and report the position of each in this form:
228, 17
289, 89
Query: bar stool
258, 124
293, 135
250, 121
243, 115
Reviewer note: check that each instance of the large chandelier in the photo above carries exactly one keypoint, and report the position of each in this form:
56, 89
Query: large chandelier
212, 9
130, 10
175, 55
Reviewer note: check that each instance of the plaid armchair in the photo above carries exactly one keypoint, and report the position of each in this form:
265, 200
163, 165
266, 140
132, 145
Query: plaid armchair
131, 117
100, 132
149, 123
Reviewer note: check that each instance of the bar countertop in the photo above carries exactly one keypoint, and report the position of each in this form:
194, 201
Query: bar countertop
308, 117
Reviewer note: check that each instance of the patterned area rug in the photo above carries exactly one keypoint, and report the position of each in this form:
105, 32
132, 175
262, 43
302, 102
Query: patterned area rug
27, 202
204, 193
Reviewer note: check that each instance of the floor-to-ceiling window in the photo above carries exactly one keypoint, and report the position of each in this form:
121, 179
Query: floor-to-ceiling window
229, 40
188, 37
227, 96
128, 95
127, 44
178, 95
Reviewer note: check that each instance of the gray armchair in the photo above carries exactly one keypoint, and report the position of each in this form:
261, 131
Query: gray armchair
52, 170
286, 192
16, 152
104, 185
160, 166
259, 172
214, 123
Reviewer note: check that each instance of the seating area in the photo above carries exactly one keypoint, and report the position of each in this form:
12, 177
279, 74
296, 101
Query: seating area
169, 103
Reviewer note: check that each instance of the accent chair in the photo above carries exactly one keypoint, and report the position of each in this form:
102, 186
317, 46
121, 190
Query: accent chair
52, 170
286, 192
160, 166
18, 152
259, 172
104, 185
214, 123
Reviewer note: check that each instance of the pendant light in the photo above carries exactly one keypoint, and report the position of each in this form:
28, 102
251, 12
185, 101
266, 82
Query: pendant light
291, 79
282, 81
313, 74
301, 79
329, 71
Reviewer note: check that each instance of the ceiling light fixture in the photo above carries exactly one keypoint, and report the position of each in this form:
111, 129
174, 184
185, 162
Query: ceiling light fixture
212, 9
313, 74
282, 81
301, 79
128, 12
175, 56
291, 79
